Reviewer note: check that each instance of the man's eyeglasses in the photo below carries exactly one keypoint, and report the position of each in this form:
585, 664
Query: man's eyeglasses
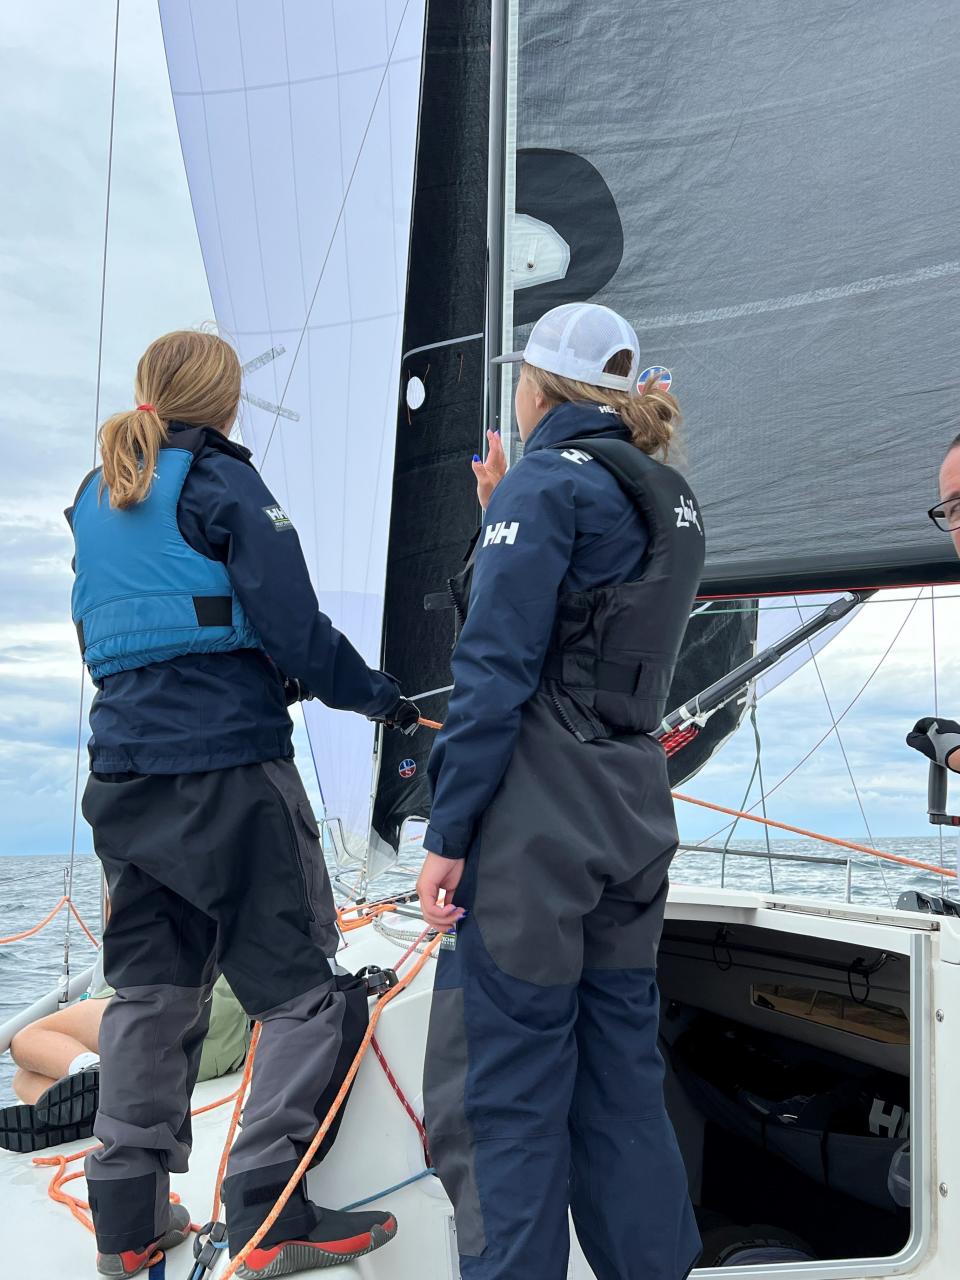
946, 515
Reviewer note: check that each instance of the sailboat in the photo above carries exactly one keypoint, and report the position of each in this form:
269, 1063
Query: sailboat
387, 194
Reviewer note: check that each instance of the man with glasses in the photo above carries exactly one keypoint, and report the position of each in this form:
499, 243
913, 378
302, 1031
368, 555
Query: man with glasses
939, 739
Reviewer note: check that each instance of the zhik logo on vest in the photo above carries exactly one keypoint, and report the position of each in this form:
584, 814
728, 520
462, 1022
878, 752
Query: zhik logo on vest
278, 518
501, 532
688, 517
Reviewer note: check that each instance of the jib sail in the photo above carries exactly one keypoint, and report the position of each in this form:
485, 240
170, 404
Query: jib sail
298, 125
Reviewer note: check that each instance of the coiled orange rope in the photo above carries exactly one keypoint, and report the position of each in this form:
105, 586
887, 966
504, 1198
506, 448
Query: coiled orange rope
81, 1208
64, 902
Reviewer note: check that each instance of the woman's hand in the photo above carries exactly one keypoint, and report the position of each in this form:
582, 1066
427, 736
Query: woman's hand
438, 874
490, 473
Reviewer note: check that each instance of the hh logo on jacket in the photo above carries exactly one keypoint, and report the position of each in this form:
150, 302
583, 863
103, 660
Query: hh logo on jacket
501, 532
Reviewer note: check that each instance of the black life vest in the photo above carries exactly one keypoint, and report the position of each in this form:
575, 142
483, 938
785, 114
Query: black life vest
611, 658
613, 651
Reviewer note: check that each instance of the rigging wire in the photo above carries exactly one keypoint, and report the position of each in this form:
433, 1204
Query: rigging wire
936, 709
68, 887
733, 826
864, 604
763, 796
820, 741
846, 761
333, 234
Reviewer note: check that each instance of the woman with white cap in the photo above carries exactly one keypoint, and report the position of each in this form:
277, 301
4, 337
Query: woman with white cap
552, 828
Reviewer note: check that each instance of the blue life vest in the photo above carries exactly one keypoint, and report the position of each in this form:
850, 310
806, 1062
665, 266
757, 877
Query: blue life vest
142, 594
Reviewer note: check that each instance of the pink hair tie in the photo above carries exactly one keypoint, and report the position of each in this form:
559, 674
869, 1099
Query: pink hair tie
146, 408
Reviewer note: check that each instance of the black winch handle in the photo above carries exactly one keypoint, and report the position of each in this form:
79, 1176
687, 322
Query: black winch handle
937, 781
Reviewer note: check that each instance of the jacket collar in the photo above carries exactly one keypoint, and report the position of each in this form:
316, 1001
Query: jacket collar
573, 420
213, 439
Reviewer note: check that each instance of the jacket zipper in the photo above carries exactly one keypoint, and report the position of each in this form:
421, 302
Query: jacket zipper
565, 719
461, 617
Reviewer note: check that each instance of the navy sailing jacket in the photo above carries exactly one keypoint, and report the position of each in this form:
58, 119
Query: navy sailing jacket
552, 526
205, 711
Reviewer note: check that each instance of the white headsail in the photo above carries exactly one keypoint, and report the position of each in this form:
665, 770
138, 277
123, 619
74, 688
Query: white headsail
298, 124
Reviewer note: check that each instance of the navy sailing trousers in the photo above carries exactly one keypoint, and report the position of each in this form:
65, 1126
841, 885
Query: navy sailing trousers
544, 1084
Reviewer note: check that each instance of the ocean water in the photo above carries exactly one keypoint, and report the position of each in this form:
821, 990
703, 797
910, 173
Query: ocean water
29, 887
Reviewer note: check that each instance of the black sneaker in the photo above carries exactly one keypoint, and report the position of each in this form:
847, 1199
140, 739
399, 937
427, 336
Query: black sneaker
132, 1261
338, 1237
72, 1100
21, 1131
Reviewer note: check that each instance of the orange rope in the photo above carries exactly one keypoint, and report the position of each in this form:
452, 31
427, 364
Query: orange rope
235, 1118
356, 916
28, 933
82, 923
80, 1208
430, 724
64, 902
800, 831
814, 835
331, 1115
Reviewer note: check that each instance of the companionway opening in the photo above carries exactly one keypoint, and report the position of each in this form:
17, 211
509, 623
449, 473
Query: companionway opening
792, 1109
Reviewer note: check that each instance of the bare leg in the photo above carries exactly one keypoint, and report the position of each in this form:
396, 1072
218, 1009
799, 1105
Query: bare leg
28, 1085
48, 1046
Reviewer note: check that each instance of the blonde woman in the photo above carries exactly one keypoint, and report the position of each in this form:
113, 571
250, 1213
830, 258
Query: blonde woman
552, 827
198, 623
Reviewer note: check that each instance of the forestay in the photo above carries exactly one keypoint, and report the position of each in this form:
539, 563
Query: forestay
298, 123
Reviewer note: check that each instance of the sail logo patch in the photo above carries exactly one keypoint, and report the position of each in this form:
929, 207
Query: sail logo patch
576, 455
663, 376
278, 517
408, 768
502, 532
688, 517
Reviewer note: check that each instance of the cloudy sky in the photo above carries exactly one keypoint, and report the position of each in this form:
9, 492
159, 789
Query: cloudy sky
56, 64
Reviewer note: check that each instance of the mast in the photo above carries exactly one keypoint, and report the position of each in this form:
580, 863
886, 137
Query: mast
496, 211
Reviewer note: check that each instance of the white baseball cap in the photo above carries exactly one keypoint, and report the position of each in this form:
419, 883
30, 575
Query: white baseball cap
576, 340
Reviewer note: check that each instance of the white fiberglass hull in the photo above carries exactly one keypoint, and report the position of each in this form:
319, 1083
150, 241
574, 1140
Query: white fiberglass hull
378, 1146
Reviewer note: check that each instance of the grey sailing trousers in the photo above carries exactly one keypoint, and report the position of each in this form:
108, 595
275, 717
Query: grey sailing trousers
211, 872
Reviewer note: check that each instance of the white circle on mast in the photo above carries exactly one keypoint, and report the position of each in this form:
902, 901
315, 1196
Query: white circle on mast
416, 392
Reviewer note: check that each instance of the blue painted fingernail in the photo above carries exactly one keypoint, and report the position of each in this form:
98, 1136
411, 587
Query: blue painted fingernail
476, 457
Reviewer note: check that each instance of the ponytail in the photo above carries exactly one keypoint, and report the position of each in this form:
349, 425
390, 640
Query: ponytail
186, 376
130, 443
651, 415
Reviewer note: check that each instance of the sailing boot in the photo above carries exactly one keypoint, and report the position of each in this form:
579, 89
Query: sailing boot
338, 1237
132, 1261
21, 1130
72, 1100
